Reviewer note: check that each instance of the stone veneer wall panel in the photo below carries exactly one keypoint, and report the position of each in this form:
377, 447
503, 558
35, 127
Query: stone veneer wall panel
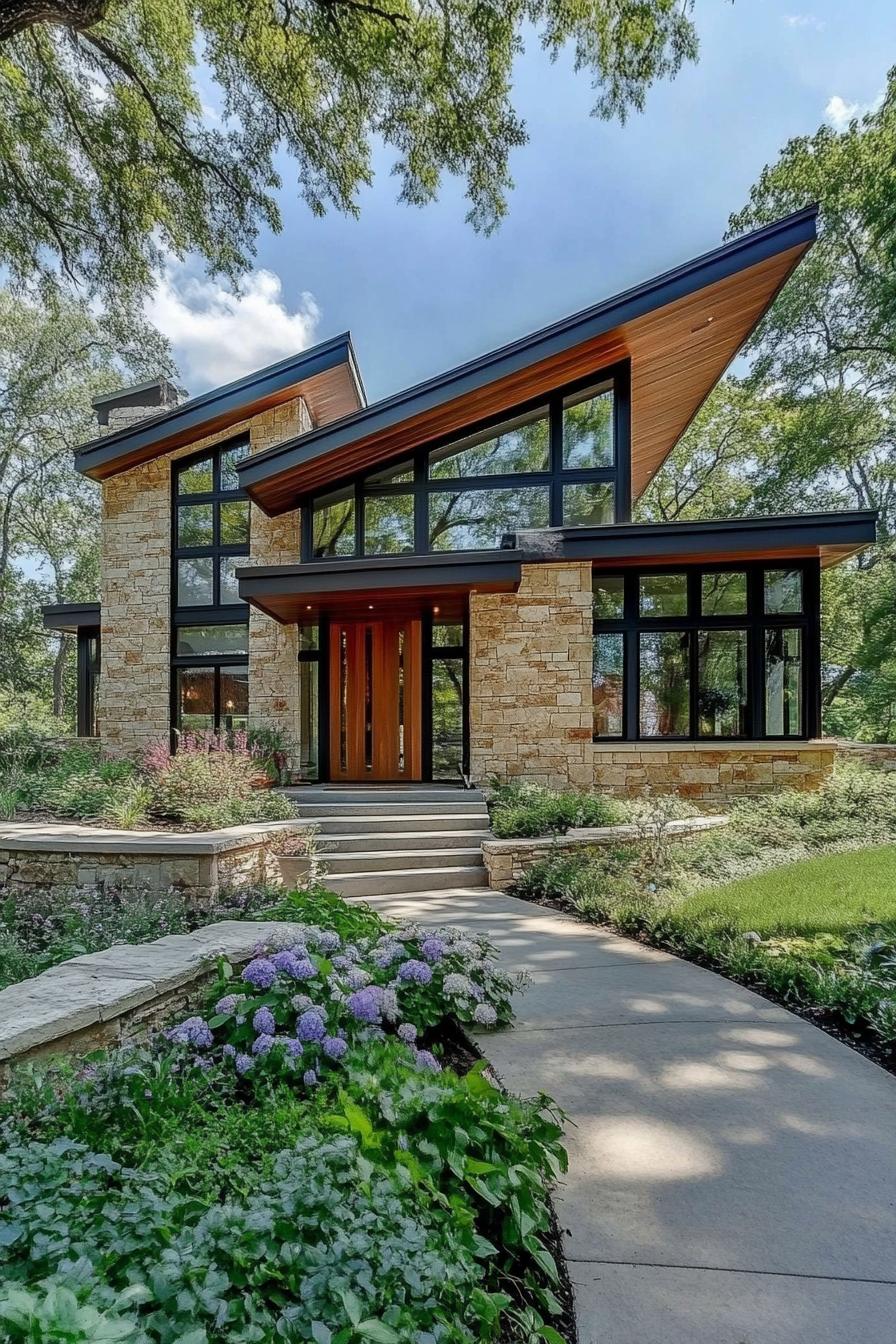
530, 678
135, 595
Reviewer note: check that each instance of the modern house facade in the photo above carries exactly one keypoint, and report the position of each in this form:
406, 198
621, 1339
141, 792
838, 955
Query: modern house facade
449, 582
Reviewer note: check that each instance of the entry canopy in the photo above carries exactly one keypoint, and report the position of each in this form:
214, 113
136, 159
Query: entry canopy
680, 331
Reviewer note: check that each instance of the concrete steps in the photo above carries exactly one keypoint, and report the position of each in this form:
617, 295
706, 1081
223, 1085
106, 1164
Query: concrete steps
384, 840
397, 881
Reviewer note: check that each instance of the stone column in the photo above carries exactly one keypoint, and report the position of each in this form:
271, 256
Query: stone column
530, 678
273, 648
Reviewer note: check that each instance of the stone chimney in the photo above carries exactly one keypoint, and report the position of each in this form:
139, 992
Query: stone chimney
121, 409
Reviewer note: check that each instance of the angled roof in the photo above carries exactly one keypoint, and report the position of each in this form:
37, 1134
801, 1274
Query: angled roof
326, 375
680, 331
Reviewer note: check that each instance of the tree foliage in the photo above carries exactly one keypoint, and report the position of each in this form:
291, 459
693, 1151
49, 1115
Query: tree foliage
53, 361
812, 423
110, 159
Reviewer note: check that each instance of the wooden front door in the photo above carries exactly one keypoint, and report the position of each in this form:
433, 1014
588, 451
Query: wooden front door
375, 700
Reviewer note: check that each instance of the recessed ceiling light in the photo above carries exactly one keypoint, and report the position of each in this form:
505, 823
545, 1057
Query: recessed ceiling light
435, 611
707, 321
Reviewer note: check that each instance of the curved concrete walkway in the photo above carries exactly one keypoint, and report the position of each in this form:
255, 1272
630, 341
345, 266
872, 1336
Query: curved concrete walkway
732, 1169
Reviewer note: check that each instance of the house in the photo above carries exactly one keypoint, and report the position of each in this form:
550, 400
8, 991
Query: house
449, 581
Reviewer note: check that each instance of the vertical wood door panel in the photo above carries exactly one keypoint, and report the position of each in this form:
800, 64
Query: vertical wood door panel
375, 700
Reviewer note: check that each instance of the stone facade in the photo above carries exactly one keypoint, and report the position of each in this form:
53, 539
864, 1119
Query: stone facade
530, 678
135, 596
531, 709
874, 755
273, 648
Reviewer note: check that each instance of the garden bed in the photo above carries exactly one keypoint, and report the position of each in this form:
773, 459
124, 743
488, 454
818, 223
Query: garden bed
294, 1160
807, 916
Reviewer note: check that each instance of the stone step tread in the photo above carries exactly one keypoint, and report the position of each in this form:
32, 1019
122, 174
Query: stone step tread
422, 836
413, 875
357, 855
403, 816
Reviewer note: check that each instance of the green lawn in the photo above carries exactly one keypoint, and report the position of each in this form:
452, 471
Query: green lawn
828, 894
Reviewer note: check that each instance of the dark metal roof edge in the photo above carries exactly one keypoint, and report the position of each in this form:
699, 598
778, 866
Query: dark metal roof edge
698, 273
234, 395
380, 564
64, 615
134, 389
849, 527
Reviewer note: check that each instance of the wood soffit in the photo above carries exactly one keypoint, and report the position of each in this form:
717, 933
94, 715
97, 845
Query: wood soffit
678, 353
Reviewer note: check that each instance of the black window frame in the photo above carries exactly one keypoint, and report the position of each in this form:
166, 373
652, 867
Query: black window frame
615, 379
755, 622
216, 612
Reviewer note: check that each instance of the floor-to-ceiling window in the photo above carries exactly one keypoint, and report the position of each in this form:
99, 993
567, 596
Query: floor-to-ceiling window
706, 652
558, 462
210, 625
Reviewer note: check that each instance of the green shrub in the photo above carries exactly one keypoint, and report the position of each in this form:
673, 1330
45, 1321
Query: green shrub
529, 810
361, 1195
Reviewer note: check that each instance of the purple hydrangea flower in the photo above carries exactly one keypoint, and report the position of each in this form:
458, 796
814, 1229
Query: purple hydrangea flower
261, 972
387, 953
301, 1001
228, 1003
485, 1015
309, 1078
364, 1005
328, 940
334, 1047
264, 1022
292, 1046
263, 1044
310, 1026
407, 1032
243, 1063
355, 978
432, 949
229, 1052
427, 1061
193, 1031
416, 971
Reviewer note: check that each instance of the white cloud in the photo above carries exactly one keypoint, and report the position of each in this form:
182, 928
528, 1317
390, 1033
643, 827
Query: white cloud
840, 113
804, 21
217, 335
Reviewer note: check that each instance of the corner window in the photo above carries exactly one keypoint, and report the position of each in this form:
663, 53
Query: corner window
783, 591
695, 653
210, 636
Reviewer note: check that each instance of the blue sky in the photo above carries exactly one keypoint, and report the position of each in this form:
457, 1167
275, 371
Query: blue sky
597, 206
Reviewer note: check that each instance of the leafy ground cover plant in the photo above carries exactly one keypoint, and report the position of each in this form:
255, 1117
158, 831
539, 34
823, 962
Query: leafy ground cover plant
39, 929
293, 1164
528, 810
809, 915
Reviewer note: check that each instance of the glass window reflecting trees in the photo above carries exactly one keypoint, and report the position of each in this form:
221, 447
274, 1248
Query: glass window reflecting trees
702, 653
210, 678
552, 464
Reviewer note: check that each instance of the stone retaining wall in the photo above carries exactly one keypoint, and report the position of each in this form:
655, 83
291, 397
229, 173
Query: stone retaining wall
876, 755
121, 995
41, 857
507, 860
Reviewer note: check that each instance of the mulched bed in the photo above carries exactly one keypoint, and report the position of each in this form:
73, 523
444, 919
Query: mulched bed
856, 1039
